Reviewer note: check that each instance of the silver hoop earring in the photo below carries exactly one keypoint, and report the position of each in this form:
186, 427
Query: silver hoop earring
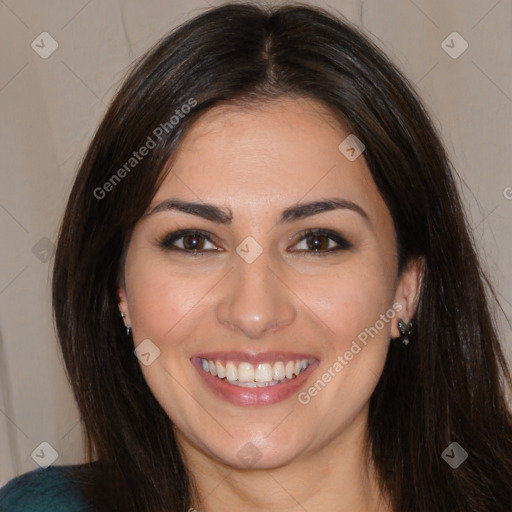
405, 331
128, 328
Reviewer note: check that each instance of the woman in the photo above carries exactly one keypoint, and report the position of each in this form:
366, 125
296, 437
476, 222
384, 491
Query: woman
265, 290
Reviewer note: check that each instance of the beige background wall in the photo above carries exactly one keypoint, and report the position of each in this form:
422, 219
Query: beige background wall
50, 108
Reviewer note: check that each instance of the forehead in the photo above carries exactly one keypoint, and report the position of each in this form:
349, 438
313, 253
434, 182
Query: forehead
263, 156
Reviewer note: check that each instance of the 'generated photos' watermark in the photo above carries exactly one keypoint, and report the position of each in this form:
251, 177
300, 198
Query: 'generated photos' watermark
144, 150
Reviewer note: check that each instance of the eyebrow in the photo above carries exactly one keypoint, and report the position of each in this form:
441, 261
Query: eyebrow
295, 212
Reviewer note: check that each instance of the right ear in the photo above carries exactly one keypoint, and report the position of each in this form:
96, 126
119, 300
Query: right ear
123, 306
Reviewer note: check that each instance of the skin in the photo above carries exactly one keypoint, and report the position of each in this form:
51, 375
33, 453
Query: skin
256, 161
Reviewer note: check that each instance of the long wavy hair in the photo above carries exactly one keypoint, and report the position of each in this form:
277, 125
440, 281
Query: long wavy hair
448, 385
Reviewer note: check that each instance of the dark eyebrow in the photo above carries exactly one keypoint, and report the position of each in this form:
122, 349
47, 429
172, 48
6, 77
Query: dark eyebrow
290, 214
300, 211
207, 211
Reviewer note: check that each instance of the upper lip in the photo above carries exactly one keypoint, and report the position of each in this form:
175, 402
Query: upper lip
254, 358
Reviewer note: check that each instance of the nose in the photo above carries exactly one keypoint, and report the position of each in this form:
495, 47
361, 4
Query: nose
256, 299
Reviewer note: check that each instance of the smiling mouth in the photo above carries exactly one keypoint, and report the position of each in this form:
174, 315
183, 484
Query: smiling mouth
248, 375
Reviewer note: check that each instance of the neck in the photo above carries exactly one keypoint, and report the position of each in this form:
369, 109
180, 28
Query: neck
339, 478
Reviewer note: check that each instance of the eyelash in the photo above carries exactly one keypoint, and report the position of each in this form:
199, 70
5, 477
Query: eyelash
166, 243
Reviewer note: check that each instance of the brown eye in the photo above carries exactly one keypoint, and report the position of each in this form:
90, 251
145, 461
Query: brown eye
317, 242
321, 241
190, 241
193, 242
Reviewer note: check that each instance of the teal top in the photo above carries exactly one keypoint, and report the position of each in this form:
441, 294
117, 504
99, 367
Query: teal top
42, 490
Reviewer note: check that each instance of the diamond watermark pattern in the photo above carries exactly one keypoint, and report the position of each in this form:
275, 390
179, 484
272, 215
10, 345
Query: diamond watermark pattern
44, 45
249, 455
454, 45
45, 455
454, 455
43, 250
249, 249
147, 352
351, 147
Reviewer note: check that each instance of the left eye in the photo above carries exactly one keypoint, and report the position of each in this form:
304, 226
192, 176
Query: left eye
319, 241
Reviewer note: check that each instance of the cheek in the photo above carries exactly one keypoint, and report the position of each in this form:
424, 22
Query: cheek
160, 298
360, 313
351, 300
354, 352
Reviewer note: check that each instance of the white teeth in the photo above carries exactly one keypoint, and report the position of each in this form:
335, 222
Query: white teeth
231, 371
278, 372
245, 372
263, 373
253, 384
260, 375
290, 366
220, 370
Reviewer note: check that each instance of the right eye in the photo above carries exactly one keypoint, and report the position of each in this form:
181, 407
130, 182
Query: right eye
190, 241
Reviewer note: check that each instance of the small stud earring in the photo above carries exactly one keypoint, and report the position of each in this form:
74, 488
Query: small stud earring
405, 331
128, 328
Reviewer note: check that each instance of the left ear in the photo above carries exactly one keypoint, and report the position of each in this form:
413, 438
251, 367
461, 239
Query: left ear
408, 291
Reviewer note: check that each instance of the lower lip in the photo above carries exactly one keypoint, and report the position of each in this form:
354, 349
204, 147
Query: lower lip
267, 395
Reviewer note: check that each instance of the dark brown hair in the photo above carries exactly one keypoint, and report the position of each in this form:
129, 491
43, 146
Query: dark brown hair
447, 385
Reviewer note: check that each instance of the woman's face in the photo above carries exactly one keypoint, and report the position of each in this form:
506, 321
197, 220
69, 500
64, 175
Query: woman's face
269, 286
